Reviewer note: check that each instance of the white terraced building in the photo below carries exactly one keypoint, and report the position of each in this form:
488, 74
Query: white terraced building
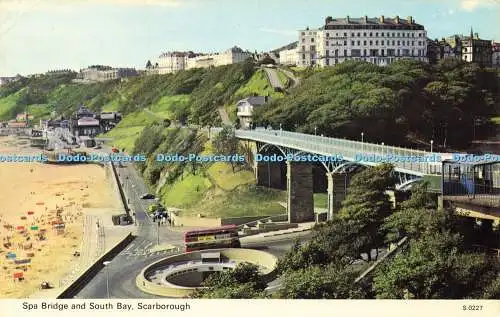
376, 40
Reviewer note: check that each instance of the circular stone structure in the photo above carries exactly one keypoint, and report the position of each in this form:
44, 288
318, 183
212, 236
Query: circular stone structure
179, 275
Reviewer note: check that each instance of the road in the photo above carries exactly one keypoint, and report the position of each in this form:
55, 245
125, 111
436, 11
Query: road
274, 80
123, 270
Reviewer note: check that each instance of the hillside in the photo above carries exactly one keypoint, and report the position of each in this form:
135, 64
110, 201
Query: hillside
191, 95
396, 104
210, 189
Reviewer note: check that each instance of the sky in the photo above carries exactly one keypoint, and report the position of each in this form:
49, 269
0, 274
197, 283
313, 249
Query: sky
41, 35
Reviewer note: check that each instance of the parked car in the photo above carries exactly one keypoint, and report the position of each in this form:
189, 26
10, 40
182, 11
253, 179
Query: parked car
148, 196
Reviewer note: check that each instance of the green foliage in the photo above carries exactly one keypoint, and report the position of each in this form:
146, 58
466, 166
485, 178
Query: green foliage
226, 143
435, 266
416, 216
245, 281
216, 89
412, 98
317, 282
367, 205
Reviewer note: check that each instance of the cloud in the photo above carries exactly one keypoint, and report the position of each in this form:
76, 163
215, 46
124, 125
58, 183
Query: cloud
471, 5
280, 32
30, 5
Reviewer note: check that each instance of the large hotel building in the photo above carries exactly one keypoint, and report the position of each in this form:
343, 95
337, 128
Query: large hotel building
377, 40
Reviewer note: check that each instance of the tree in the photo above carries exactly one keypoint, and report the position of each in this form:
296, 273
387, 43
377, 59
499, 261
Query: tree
367, 205
245, 281
226, 143
435, 266
316, 282
417, 216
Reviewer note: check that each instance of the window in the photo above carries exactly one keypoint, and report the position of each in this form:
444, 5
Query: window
399, 42
345, 52
399, 34
376, 34
359, 34
382, 34
303, 48
364, 42
359, 42
352, 42
303, 40
412, 43
336, 34
371, 43
352, 34
312, 39
382, 43
345, 42
364, 33
376, 42
327, 34
370, 34
413, 35
356, 53
393, 34
327, 53
364, 52
345, 34
398, 52
382, 52
303, 33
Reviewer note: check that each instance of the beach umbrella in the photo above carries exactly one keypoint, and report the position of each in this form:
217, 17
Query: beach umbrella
34, 227
23, 217
20, 227
40, 203
30, 212
11, 256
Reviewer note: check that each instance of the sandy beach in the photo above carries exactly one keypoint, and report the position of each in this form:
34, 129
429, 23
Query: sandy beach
42, 207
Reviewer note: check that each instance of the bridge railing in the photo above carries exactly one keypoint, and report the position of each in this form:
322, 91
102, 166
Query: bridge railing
350, 150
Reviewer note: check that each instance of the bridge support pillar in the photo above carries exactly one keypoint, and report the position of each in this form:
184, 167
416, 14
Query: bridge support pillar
337, 190
300, 204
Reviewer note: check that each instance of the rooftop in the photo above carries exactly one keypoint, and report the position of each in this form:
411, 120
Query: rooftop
378, 21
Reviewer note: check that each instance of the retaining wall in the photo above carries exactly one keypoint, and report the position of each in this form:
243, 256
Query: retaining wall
263, 259
88, 274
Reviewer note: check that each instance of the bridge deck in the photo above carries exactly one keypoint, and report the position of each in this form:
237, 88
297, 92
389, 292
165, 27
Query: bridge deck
350, 150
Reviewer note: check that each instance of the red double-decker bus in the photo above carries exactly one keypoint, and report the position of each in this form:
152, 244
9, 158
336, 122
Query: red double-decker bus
222, 237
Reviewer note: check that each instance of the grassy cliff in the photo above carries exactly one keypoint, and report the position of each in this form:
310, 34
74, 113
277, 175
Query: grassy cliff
210, 189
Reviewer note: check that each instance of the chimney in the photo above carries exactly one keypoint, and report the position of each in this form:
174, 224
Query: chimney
366, 19
381, 19
347, 19
328, 20
410, 19
476, 36
397, 19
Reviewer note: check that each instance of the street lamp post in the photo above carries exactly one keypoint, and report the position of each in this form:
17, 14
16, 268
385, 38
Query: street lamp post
158, 233
432, 142
362, 137
106, 264
315, 130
